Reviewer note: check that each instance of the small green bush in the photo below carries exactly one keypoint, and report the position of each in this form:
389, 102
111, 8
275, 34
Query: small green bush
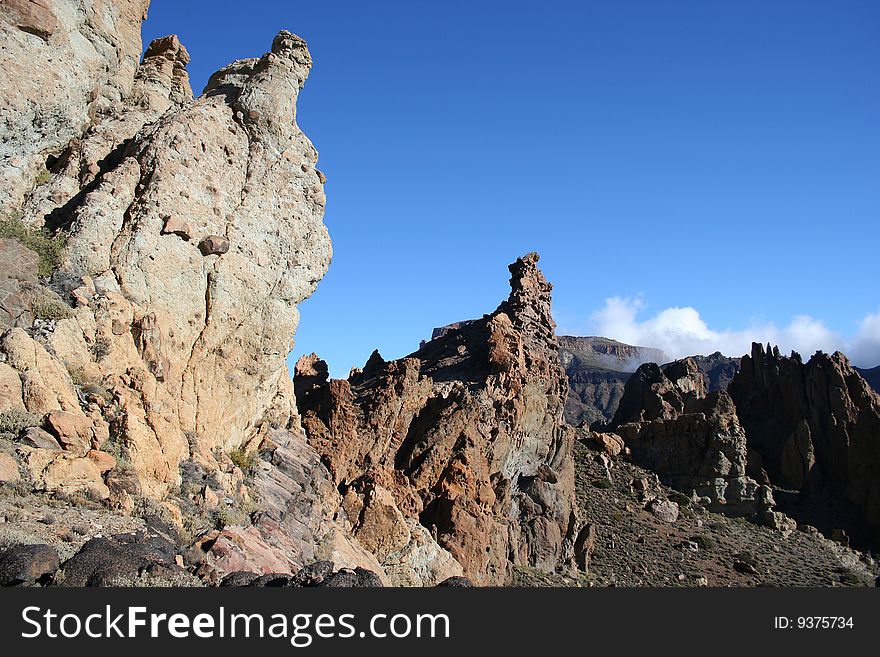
49, 247
42, 178
601, 483
245, 460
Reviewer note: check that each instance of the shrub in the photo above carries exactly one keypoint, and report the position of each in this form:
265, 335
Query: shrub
53, 310
14, 421
49, 247
747, 558
42, 178
679, 498
601, 483
704, 541
245, 460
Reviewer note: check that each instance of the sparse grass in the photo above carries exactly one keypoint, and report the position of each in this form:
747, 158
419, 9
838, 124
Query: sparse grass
49, 247
245, 460
42, 178
601, 483
14, 421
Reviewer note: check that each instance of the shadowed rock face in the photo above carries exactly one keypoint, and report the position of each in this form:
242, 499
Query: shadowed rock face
466, 435
817, 427
690, 437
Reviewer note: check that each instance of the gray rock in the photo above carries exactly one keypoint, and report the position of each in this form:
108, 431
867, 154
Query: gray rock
36, 437
664, 510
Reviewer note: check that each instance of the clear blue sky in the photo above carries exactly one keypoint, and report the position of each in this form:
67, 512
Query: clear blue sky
723, 156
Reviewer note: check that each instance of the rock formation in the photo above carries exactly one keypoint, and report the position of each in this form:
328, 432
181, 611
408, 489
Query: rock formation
463, 440
816, 426
160, 245
717, 369
184, 348
690, 437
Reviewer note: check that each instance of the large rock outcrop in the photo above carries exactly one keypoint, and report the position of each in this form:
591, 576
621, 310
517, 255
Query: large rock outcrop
463, 440
690, 437
817, 427
187, 231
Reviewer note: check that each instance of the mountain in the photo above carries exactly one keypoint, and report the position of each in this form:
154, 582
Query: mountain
597, 370
154, 249
872, 376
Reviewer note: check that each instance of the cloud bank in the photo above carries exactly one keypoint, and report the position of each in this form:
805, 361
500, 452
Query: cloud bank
682, 332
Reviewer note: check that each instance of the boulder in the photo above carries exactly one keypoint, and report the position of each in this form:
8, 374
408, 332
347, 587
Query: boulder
28, 565
63, 473
9, 473
665, 510
123, 560
37, 437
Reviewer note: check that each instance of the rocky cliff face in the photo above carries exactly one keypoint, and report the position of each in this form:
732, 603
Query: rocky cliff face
158, 246
65, 65
596, 352
817, 427
463, 439
690, 437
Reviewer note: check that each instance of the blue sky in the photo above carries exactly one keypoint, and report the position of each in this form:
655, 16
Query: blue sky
693, 173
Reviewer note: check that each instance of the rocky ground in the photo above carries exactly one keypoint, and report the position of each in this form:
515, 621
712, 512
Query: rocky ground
635, 548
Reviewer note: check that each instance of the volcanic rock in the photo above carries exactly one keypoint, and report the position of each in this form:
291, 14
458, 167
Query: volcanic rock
465, 436
28, 565
122, 560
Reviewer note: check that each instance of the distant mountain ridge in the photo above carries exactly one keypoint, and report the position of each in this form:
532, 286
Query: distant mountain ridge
872, 376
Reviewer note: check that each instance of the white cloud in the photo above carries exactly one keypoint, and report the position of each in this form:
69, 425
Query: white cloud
682, 332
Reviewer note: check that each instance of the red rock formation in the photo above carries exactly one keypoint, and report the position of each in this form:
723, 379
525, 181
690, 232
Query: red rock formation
466, 434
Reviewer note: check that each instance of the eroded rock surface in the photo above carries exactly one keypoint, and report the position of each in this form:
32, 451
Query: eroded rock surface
465, 436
